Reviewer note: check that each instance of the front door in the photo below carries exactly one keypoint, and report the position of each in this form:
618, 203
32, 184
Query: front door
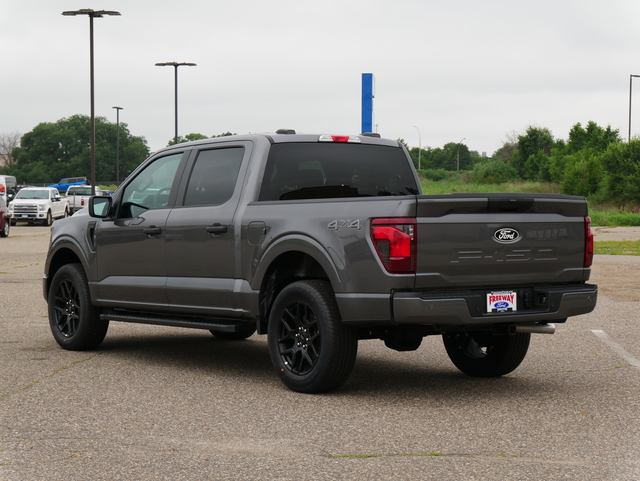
130, 248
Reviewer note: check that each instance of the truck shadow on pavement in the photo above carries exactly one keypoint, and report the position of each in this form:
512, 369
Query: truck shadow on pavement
376, 373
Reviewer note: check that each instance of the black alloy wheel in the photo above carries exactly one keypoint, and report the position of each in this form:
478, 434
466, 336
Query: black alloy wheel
310, 348
74, 321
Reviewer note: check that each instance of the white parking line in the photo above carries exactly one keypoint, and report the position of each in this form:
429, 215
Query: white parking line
617, 347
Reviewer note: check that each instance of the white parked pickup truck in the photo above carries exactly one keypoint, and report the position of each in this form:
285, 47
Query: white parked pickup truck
79, 195
38, 204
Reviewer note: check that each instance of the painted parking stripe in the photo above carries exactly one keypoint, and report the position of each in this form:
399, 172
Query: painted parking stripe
617, 347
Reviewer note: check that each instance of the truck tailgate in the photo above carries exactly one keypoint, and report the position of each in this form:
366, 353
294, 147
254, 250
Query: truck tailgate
500, 240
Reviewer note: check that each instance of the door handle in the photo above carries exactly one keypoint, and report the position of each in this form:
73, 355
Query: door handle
152, 230
216, 229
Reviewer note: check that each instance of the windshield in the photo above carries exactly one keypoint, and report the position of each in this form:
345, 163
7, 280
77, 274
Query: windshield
33, 194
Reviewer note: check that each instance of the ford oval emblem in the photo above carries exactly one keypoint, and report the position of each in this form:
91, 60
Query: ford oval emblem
506, 235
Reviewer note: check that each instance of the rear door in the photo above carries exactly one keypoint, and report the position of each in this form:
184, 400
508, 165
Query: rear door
201, 234
501, 240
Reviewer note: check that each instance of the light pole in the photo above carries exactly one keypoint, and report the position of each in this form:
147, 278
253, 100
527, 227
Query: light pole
175, 65
92, 14
458, 156
419, 146
118, 109
630, 83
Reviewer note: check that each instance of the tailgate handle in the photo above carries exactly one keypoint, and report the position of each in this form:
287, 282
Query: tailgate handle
152, 230
217, 229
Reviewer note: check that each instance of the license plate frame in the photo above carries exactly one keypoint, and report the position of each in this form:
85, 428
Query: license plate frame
502, 301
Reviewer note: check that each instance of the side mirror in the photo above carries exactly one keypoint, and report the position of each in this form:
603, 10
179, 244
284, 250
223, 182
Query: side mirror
100, 206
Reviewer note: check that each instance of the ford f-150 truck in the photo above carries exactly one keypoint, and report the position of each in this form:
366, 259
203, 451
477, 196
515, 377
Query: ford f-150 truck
319, 241
79, 195
38, 204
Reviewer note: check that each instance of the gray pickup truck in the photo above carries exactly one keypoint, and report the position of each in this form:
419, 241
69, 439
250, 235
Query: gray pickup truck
319, 241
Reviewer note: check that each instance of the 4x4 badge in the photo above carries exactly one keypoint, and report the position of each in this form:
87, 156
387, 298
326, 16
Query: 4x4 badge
506, 235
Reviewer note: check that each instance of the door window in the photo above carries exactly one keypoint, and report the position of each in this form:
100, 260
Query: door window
151, 188
214, 176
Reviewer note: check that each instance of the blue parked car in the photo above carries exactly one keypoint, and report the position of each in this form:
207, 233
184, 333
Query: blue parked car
64, 184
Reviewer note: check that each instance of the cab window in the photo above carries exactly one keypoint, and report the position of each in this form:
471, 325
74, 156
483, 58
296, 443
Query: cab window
151, 188
213, 177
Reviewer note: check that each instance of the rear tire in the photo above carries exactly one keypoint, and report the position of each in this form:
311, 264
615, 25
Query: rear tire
311, 350
75, 322
482, 354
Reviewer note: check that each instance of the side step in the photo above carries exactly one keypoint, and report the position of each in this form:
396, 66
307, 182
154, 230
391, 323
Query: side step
220, 325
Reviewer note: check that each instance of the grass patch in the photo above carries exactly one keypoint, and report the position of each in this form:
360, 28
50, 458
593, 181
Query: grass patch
613, 217
617, 248
454, 187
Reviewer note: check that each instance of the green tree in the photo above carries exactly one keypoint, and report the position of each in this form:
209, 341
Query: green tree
583, 173
534, 149
583, 143
52, 151
621, 166
447, 157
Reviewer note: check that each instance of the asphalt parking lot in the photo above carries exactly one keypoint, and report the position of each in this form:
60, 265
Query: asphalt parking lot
178, 404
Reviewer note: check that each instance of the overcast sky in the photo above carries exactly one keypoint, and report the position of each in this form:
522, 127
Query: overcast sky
449, 69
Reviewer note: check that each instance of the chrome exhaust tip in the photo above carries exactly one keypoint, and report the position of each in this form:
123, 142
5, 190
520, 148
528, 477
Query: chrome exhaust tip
536, 328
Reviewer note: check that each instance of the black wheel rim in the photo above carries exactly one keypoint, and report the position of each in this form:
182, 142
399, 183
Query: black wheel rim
299, 338
67, 308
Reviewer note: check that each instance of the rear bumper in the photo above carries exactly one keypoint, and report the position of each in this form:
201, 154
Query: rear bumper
468, 307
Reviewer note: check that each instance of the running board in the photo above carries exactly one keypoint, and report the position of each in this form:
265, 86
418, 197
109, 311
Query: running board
194, 323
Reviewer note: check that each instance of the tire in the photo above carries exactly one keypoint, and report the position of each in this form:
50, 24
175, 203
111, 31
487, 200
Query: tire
13, 223
311, 350
74, 320
244, 332
482, 354
6, 228
49, 220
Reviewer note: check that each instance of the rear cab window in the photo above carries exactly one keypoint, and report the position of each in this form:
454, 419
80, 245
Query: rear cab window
314, 170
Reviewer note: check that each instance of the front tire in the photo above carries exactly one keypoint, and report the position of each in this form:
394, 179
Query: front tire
49, 220
482, 354
311, 350
6, 228
75, 322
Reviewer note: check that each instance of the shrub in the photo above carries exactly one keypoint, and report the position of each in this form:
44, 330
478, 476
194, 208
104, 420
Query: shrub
493, 172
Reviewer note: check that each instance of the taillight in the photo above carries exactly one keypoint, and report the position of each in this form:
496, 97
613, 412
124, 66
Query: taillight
588, 243
395, 242
81, 201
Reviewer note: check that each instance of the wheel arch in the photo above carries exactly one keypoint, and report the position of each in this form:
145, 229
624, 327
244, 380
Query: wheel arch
61, 255
290, 260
